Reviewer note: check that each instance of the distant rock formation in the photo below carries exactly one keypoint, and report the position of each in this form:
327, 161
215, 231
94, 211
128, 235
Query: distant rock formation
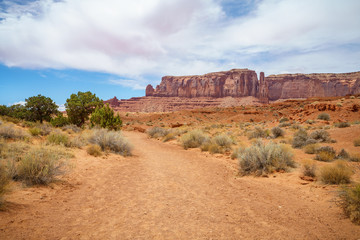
233, 83
285, 86
215, 89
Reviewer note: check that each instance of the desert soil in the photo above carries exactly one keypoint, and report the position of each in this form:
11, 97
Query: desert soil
165, 192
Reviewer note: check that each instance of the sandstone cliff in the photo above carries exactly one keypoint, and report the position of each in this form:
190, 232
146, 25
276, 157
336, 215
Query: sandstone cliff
233, 83
285, 86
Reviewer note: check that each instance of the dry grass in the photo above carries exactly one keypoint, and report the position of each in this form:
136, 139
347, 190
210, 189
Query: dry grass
9, 131
350, 202
4, 181
58, 138
336, 173
309, 169
261, 158
111, 140
157, 132
311, 148
94, 150
277, 132
41, 166
324, 116
357, 142
194, 139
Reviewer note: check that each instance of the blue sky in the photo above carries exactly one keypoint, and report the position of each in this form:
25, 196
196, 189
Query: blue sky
115, 48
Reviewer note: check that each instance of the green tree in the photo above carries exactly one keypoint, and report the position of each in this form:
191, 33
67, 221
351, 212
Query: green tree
40, 108
105, 118
79, 106
18, 111
4, 110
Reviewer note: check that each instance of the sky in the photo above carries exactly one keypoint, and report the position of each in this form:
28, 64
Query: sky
117, 47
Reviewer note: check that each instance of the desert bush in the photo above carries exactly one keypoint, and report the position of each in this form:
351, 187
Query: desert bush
223, 141
300, 138
4, 181
261, 158
284, 119
350, 202
59, 121
157, 132
309, 169
336, 173
309, 121
8, 131
343, 154
354, 157
357, 142
284, 124
170, 136
77, 141
106, 118
41, 166
237, 153
339, 104
277, 132
14, 150
258, 133
320, 136
324, 116
193, 139
71, 128
111, 140
311, 148
325, 154
34, 131
342, 124
94, 150
57, 138
211, 147
352, 97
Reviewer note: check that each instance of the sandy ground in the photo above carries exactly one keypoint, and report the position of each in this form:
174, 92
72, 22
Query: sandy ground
165, 192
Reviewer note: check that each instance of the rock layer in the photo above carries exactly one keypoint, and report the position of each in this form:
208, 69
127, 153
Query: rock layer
233, 83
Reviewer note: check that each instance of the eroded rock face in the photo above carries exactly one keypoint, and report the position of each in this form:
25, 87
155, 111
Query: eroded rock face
233, 83
285, 86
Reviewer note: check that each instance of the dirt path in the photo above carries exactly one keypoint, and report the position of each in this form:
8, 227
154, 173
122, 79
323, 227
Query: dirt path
165, 192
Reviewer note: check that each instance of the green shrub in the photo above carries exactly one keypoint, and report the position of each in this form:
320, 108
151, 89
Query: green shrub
300, 138
258, 133
59, 121
58, 138
237, 153
310, 121
350, 202
357, 142
311, 148
94, 150
342, 124
352, 97
261, 158
320, 136
105, 117
324, 116
309, 169
41, 166
277, 132
111, 140
337, 173
34, 131
4, 181
157, 132
8, 131
193, 139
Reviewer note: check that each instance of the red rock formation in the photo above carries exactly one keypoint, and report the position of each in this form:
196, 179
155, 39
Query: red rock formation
286, 86
113, 102
234, 83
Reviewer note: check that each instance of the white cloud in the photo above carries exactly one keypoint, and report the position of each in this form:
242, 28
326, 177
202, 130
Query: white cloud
136, 38
16, 103
61, 107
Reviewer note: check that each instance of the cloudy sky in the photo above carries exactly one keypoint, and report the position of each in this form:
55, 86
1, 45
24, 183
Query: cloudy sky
117, 47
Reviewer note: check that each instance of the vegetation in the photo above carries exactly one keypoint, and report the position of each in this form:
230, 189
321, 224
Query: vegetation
325, 154
337, 173
105, 118
320, 136
342, 124
324, 116
41, 166
309, 169
357, 142
311, 148
58, 138
157, 132
40, 108
111, 141
59, 121
284, 119
277, 132
8, 131
350, 202
300, 138
4, 181
258, 133
94, 150
193, 139
261, 158
79, 106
